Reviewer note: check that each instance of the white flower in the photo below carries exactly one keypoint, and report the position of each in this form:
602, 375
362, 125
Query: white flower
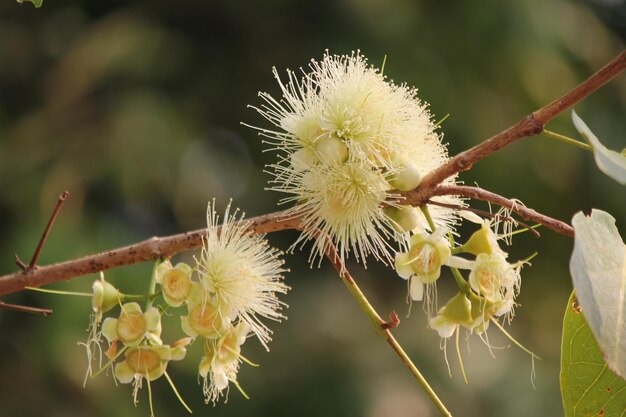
421, 264
240, 274
220, 364
498, 281
347, 138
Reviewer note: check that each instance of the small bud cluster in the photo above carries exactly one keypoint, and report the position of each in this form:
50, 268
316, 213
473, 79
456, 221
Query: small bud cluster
232, 286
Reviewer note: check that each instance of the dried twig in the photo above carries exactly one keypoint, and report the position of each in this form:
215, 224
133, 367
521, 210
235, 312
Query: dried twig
33, 262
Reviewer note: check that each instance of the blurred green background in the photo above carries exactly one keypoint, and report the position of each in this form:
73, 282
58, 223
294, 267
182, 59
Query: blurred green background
134, 107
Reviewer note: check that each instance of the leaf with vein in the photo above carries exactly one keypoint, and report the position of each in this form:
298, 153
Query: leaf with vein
598, 268
588, 387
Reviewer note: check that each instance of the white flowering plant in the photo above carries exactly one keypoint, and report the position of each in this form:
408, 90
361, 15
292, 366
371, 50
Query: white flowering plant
365, 173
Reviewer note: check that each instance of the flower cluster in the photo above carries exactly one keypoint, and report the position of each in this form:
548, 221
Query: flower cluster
349, 140
488, 292
233, 285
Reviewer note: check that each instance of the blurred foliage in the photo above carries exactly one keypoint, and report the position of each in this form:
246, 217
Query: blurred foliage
134, 107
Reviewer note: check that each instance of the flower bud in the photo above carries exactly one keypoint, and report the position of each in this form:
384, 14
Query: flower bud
303, 159
404, 218
331, 149
406, 178
457, 311
105, 296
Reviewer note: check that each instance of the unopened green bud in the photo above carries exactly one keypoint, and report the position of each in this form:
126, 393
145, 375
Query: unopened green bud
457, 311
105, 296
481, 241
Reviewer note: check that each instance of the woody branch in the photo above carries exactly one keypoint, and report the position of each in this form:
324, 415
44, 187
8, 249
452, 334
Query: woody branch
155, 248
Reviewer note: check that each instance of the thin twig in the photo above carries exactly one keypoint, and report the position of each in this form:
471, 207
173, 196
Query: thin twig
25, 309
524, 212
33, 262
484, 213
382, 327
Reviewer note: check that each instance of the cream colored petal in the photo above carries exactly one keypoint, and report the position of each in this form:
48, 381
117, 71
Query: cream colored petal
123, 373
161, 270
219, 377
158, 372
109, 329
153, 320
416, 289
403, 265
189, 331
205, 366
444, 327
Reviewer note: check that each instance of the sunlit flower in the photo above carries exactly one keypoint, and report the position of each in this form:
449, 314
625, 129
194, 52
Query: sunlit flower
498, 281
133, 326
175, 282
241, 275
348, 140
422, 263
220, 364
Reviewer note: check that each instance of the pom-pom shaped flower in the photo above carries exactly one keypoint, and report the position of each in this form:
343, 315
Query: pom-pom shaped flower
175, 282
240, 274
221, 361
133, 326
347, 139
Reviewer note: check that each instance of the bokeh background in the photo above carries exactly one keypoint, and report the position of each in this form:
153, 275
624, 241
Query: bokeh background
135, 108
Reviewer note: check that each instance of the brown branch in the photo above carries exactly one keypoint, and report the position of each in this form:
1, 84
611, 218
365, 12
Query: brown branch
25, 309
154, 248
530, 125
524, 212
148, 250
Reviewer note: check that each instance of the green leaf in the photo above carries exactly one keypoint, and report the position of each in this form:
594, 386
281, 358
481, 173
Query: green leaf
37, 3
598, 268
610, 162
588, 387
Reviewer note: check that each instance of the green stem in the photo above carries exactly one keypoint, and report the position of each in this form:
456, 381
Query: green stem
382, 330
566, 139
429, 219
463, 285
152, 284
